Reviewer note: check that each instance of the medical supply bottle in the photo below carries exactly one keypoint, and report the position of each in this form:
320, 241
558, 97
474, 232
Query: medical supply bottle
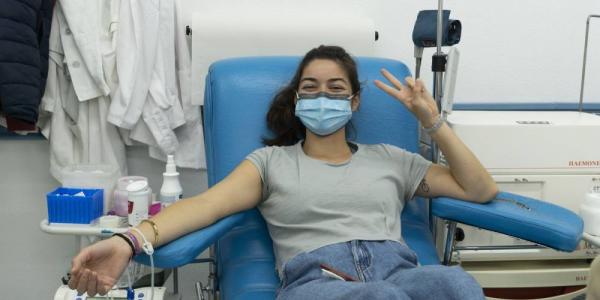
138, 194
170, 190
120, 200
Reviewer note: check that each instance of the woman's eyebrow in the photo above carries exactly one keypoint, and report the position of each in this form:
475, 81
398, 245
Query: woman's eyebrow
337, 79
311, 79
308, 79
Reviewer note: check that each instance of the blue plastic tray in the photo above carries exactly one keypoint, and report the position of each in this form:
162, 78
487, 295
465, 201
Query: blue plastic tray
65, 207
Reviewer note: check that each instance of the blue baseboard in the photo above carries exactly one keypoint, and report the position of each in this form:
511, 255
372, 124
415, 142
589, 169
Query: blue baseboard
7, 135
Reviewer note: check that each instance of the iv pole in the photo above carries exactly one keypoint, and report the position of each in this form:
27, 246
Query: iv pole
438, 74
439, 66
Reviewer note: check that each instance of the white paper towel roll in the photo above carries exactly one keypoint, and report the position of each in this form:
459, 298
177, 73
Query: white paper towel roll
249, 33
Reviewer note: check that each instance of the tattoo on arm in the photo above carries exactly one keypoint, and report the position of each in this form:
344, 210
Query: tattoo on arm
423, 186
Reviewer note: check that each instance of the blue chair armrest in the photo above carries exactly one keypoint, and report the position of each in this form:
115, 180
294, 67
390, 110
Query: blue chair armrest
186, 248
522, 217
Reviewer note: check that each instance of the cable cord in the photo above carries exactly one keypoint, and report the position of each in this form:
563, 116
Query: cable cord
149, 250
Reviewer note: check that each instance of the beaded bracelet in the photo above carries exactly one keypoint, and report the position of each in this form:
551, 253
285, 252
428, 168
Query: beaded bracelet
436, 125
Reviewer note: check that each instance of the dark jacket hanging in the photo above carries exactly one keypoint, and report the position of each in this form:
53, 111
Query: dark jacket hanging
24, 33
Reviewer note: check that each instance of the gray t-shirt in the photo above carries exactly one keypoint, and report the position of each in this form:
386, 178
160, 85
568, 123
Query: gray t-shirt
309, 203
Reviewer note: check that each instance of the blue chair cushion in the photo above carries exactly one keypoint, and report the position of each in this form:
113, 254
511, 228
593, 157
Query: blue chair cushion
416, 232
526, 218
185, 249
237, 96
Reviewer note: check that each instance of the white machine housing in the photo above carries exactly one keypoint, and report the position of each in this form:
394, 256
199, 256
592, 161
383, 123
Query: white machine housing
548, 155
531, 142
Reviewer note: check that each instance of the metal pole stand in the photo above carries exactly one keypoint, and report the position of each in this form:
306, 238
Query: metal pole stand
587, 31
438, 66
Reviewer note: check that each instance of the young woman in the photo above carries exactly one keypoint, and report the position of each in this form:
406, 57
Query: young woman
332, 206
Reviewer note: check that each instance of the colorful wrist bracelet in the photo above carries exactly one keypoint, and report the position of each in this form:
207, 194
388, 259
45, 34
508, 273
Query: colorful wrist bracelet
136, 243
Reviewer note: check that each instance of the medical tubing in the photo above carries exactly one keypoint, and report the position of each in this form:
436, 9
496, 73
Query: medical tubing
129, 281
151, 277
149, 250
127, 270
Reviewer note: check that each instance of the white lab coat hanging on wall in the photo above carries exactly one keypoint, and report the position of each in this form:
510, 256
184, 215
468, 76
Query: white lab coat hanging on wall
83, 39
76, 127
147, 101
133, 73
190, 153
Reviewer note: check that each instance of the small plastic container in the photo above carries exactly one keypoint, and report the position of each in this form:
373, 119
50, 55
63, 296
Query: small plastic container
93, 176
74, 205
120, 206
139, 195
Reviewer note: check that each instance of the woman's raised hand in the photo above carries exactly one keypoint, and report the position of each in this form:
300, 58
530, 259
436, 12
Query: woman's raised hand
98, 267
413, 95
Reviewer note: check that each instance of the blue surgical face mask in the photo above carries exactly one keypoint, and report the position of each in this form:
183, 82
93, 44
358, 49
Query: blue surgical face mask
322, 113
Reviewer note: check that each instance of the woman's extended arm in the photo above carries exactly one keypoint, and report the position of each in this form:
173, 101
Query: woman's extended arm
239, 191
98, 267
465, 178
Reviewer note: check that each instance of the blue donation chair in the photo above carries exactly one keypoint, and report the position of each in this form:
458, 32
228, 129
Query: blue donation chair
238, 94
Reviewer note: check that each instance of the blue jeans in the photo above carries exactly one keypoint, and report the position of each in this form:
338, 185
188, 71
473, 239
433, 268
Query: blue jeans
382, 270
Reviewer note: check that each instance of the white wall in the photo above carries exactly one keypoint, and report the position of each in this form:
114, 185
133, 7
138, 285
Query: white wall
32, 262
512, 50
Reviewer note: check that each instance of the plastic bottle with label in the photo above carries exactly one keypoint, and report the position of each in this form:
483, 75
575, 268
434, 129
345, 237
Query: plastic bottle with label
139, 200
171, 190
120, 204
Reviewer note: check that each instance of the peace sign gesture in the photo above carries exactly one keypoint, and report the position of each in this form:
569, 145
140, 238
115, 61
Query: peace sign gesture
413, 95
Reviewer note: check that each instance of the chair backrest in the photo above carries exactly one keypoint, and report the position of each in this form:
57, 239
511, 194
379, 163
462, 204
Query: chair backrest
237, 97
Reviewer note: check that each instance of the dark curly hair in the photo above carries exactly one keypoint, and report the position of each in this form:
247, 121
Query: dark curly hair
281, 118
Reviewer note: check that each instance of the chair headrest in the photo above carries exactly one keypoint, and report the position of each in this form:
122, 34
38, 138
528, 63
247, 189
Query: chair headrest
239, 91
